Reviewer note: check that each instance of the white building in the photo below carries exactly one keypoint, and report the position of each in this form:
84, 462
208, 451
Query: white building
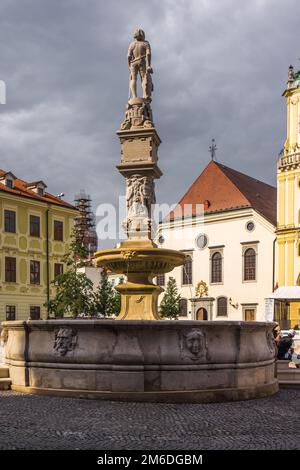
94, 274
230, 248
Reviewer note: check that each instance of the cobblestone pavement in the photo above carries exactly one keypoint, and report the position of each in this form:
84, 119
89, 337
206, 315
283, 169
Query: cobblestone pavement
39, 422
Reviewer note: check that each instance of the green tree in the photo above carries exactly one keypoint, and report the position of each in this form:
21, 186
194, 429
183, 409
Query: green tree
170, 304
106, 298
73, 289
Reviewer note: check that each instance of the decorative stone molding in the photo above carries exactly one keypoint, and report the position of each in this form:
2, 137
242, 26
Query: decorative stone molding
201, 289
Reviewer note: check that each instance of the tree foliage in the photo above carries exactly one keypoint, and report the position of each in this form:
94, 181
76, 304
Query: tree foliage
73, 289
74, 295
106, 298
170, 304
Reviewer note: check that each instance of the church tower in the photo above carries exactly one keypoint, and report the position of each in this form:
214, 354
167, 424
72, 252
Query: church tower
288, 202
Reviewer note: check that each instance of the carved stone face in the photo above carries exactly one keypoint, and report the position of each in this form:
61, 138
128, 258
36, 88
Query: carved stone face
65, 340
147, 186
194, 342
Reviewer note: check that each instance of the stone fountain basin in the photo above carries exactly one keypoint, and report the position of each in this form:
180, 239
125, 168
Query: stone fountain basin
157, 361
142, 261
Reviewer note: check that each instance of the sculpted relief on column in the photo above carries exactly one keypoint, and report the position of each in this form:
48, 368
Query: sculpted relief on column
140, 196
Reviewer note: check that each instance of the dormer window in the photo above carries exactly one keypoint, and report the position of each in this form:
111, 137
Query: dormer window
37, 187
40, 191
8, 179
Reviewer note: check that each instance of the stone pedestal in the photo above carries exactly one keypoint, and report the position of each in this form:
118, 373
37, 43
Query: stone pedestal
139, 301
139, 144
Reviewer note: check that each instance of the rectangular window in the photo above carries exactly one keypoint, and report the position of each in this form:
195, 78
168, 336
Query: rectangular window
58, 269
187, 271
34, 222
10, 269
9, 221
58, 230
160, 280
35, 313
222, 307
34, 272
183, 308
10, 312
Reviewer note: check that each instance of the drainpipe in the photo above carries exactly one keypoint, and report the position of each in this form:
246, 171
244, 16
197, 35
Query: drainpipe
47, 259
273, 278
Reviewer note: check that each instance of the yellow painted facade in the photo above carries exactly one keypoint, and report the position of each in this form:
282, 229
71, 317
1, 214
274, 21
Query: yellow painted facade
288, 183
23, 293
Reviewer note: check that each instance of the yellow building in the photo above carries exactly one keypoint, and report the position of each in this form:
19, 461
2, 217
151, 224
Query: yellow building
288, 203
35, 227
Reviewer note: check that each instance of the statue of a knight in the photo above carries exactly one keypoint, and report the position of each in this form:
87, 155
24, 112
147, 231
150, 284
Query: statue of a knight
139, 61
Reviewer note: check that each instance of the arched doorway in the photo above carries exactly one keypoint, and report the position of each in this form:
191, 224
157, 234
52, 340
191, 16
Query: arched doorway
202, 314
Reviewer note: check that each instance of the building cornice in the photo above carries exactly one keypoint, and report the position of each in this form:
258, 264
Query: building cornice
209, 218
282, 231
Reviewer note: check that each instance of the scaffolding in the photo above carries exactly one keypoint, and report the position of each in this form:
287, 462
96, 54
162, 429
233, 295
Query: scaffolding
85, 225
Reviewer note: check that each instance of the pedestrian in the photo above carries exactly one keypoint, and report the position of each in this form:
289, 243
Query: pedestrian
277, 333
284, 346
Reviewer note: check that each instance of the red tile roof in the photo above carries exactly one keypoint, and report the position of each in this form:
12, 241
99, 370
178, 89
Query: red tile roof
20, 189
221, 189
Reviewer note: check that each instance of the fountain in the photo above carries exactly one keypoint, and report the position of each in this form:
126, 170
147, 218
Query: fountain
138, 257
139, 356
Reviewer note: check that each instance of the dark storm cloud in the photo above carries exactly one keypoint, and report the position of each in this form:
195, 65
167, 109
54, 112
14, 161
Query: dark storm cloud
220, 67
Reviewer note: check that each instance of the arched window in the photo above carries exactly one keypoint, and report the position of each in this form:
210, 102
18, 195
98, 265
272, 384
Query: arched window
222, 307
216, 267
160, 279
249, 265
183, 308
187, 271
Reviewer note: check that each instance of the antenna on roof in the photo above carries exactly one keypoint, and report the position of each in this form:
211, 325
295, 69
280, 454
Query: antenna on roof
212, 149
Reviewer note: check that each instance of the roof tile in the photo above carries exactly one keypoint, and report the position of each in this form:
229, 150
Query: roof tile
20, 189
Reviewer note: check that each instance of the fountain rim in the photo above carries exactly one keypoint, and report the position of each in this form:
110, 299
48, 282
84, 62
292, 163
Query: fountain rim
14, 324
140, 251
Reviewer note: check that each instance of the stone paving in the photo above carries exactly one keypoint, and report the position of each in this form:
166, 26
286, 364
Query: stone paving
39, 422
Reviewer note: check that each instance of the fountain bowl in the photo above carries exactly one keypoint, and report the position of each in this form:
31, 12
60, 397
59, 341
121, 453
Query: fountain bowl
157, 361
140, 264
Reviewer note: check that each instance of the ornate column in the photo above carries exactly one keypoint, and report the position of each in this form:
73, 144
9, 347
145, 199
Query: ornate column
139, 144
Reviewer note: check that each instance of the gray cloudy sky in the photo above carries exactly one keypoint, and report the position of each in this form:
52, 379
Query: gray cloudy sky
220, 67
